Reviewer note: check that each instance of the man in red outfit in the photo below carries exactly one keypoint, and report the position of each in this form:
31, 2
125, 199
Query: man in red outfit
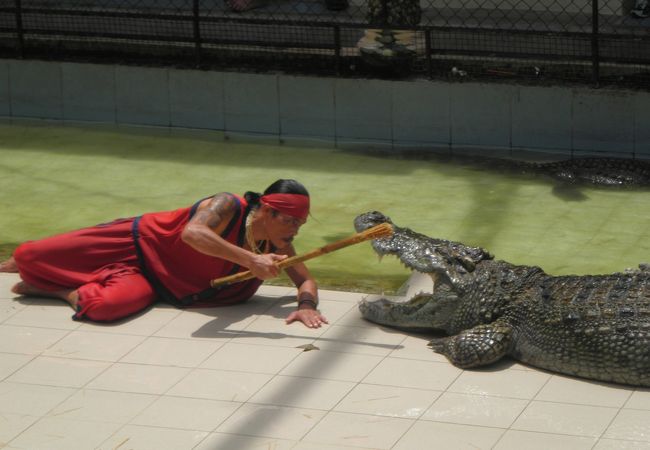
113, 270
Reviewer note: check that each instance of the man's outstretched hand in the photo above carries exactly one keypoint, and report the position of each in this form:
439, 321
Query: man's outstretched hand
312, 318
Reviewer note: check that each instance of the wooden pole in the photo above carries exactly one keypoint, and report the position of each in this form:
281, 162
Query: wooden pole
378, 231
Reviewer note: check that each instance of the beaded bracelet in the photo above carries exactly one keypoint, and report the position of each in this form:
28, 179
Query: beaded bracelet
307, 301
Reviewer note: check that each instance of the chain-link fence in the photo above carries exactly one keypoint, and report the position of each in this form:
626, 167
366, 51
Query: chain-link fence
540, 41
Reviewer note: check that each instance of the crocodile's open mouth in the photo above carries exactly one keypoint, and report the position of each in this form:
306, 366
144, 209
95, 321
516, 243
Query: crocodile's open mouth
409, 248
439, 268
409, 307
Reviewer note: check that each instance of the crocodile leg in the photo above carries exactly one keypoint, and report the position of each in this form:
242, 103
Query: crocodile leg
478, 346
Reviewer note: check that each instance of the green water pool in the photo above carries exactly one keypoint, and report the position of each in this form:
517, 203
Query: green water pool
54, 178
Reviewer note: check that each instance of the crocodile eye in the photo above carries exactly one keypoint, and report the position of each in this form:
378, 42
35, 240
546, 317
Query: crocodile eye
468, 264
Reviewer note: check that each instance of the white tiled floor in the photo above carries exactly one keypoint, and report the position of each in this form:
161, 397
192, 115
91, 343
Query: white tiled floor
235, 378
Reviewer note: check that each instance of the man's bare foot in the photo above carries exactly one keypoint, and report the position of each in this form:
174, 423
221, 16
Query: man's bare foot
23, 288
9, 266
69, 295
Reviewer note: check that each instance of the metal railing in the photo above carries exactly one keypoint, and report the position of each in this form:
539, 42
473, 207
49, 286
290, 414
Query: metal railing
545, 41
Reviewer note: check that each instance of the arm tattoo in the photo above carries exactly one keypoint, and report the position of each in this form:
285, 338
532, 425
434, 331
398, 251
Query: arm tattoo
221, 206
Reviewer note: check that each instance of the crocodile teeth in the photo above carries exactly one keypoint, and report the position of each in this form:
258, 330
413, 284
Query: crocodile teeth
418, 284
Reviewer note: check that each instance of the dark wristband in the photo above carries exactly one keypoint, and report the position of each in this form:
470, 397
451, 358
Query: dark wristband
307, 301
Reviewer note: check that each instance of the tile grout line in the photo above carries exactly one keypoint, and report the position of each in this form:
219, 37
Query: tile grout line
530, 401
609, 424
241, 404
49, 411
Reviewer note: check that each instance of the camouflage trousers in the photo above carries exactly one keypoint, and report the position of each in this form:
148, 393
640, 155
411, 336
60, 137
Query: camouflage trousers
397, 13
384, 45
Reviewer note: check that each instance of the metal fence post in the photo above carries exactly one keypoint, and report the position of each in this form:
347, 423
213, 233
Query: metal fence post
337, 48
197, 32
428, 52
595, 50
20, 35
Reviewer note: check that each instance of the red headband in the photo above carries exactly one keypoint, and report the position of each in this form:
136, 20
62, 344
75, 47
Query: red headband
294, 205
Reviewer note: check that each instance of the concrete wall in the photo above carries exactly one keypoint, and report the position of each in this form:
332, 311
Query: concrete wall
457, 117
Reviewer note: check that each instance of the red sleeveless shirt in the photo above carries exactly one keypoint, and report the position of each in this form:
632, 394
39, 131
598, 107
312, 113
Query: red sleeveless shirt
180, 274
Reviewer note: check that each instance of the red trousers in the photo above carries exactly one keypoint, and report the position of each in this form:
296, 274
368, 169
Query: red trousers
99, 262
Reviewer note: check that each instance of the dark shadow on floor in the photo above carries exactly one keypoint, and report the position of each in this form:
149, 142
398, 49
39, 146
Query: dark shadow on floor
217, 328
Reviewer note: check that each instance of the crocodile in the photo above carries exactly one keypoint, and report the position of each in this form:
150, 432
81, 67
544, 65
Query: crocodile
578, 171
609, 172
483, 309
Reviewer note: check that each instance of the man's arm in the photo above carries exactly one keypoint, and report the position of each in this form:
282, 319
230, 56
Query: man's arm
203, 230
307, 311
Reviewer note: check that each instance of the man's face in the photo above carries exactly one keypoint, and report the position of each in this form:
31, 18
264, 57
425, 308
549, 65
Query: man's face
282, 228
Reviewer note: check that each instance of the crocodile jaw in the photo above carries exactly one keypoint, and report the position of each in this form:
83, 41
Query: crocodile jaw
406, 309
449, 261
444, 262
